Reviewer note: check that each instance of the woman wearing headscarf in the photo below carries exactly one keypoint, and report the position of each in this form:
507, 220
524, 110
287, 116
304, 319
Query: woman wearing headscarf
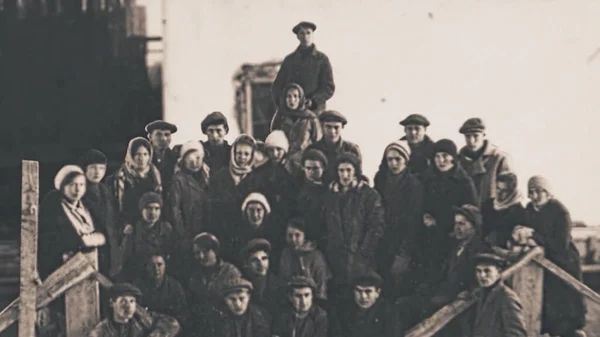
550, 226
135, 177
300, 125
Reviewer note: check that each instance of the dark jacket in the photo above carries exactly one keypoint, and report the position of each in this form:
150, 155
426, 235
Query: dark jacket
421, 157
244, 232
166, 165
381, 320
163, 325
498, 313
205, 286
355, 223
315, 324
332, 153
310, 69
169, 298
254, 323
306, 261
499, 224
216, 156
563, 307
130, 213
269, 293
309, 205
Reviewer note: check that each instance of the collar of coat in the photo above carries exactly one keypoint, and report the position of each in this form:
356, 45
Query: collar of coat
489, 150
356, 185
313, 49
458, 173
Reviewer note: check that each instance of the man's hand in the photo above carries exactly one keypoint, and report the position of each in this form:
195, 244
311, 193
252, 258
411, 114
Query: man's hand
128, 229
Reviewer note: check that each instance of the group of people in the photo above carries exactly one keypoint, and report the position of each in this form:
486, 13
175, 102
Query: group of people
287, 237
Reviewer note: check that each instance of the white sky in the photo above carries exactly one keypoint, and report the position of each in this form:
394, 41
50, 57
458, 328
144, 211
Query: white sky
520, 65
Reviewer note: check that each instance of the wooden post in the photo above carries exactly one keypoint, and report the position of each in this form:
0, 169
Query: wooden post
82, 303
528, 283
29, 241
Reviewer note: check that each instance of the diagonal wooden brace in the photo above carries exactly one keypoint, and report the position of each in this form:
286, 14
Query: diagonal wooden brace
568, 279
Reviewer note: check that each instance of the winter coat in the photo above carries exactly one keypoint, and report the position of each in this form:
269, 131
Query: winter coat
169, 298
166, 166
563, 307
315, 324
244, 232
485, 168
130, 212
162, 325
269, 293
499, 224
443, 190
306, 261
497, 314
332, 153
402, 197
355, 222
205, 284
421, 157
310, 69
278, 186
380, 320
309, 205
254, 323
217, 156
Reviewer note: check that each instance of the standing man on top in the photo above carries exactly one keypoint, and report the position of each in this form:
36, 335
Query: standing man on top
421, 146
216, 148
307, 67
159, 134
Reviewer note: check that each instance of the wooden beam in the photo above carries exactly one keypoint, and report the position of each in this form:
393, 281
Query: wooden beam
72, 272
570, 280
590, 268
30, 194
527, 282
82, 303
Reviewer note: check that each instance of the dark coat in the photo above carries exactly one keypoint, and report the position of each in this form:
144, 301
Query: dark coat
187, 205
315, 324
312, 71
166, 166
355, 223
497, 314
254, 323
309, 205
402, 198
130, 213
421, 157
242, 234
563, 307
217, 157
162, 324
332, 153
269, 293
499, 224
168, 299
443, 190
380, 320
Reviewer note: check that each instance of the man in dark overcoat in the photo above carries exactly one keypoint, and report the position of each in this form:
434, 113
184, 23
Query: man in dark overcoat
159, 134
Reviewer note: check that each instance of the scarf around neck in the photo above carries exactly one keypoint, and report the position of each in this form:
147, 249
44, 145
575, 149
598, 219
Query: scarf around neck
514, 198
238, 172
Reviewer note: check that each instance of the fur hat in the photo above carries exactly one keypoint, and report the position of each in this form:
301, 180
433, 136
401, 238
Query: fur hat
540, 182
445, 146
150, 198
256, 197
315, 154
400, 146
278, 139
67, 171
92, 156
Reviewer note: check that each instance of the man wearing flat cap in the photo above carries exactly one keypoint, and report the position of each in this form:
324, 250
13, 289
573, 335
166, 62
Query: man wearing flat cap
481, 159
217, 150
159, 133
421, 146
307, 67
122, 322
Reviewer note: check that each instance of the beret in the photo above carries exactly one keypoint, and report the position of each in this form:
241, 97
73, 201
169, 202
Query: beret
255, 245
472, 125
415, 119
207, 240
315, 154
92, 156
368, 279
259, 198
300, 281
471, 212
63, 173
124, 289
446, 146
302, 25
235, 284
150, 198
332, 116
160, 125
214, 118
493, 259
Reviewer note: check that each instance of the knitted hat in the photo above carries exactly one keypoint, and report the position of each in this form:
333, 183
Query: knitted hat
490, 259
150, 198
123, 289
255, 245
92, 156
400, 146
278, 139
445, 146
540, 182
300, 281
67, 171
472, 213
191, 146
350, 158
235, 284
208, 241
472, 125
256, 197
314, 154
368, 279
214, 118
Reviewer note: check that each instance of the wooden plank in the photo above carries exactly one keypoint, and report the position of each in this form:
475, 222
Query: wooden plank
437, 321
570, 280
72, 272
29, 241
590, 268
82, 303
249, 119
527, 282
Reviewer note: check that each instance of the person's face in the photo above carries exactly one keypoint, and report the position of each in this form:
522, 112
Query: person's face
275, 154
292, 99
443, 161
366, 297
305, 36
463, 229
141, 157
332, 131
237, 302
502, 190
156, 268
258, 263
206, 257
539, 196
160, 139
255, 212
216, 133
487, 275
346, 173
95, 172
193, 161
302, 299
243, 154
75, 190
475, 140
151, 213
313, 170
415, 133
123, 308
395, 161
294, 237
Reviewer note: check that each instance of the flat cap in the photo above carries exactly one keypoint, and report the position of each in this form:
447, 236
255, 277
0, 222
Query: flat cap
472, 213
300, 281
160, 125
492, 259
255, 245
124, 289
368, 279
235, 284
214, 118
472, 125
304, 24
415, 119
332, 116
